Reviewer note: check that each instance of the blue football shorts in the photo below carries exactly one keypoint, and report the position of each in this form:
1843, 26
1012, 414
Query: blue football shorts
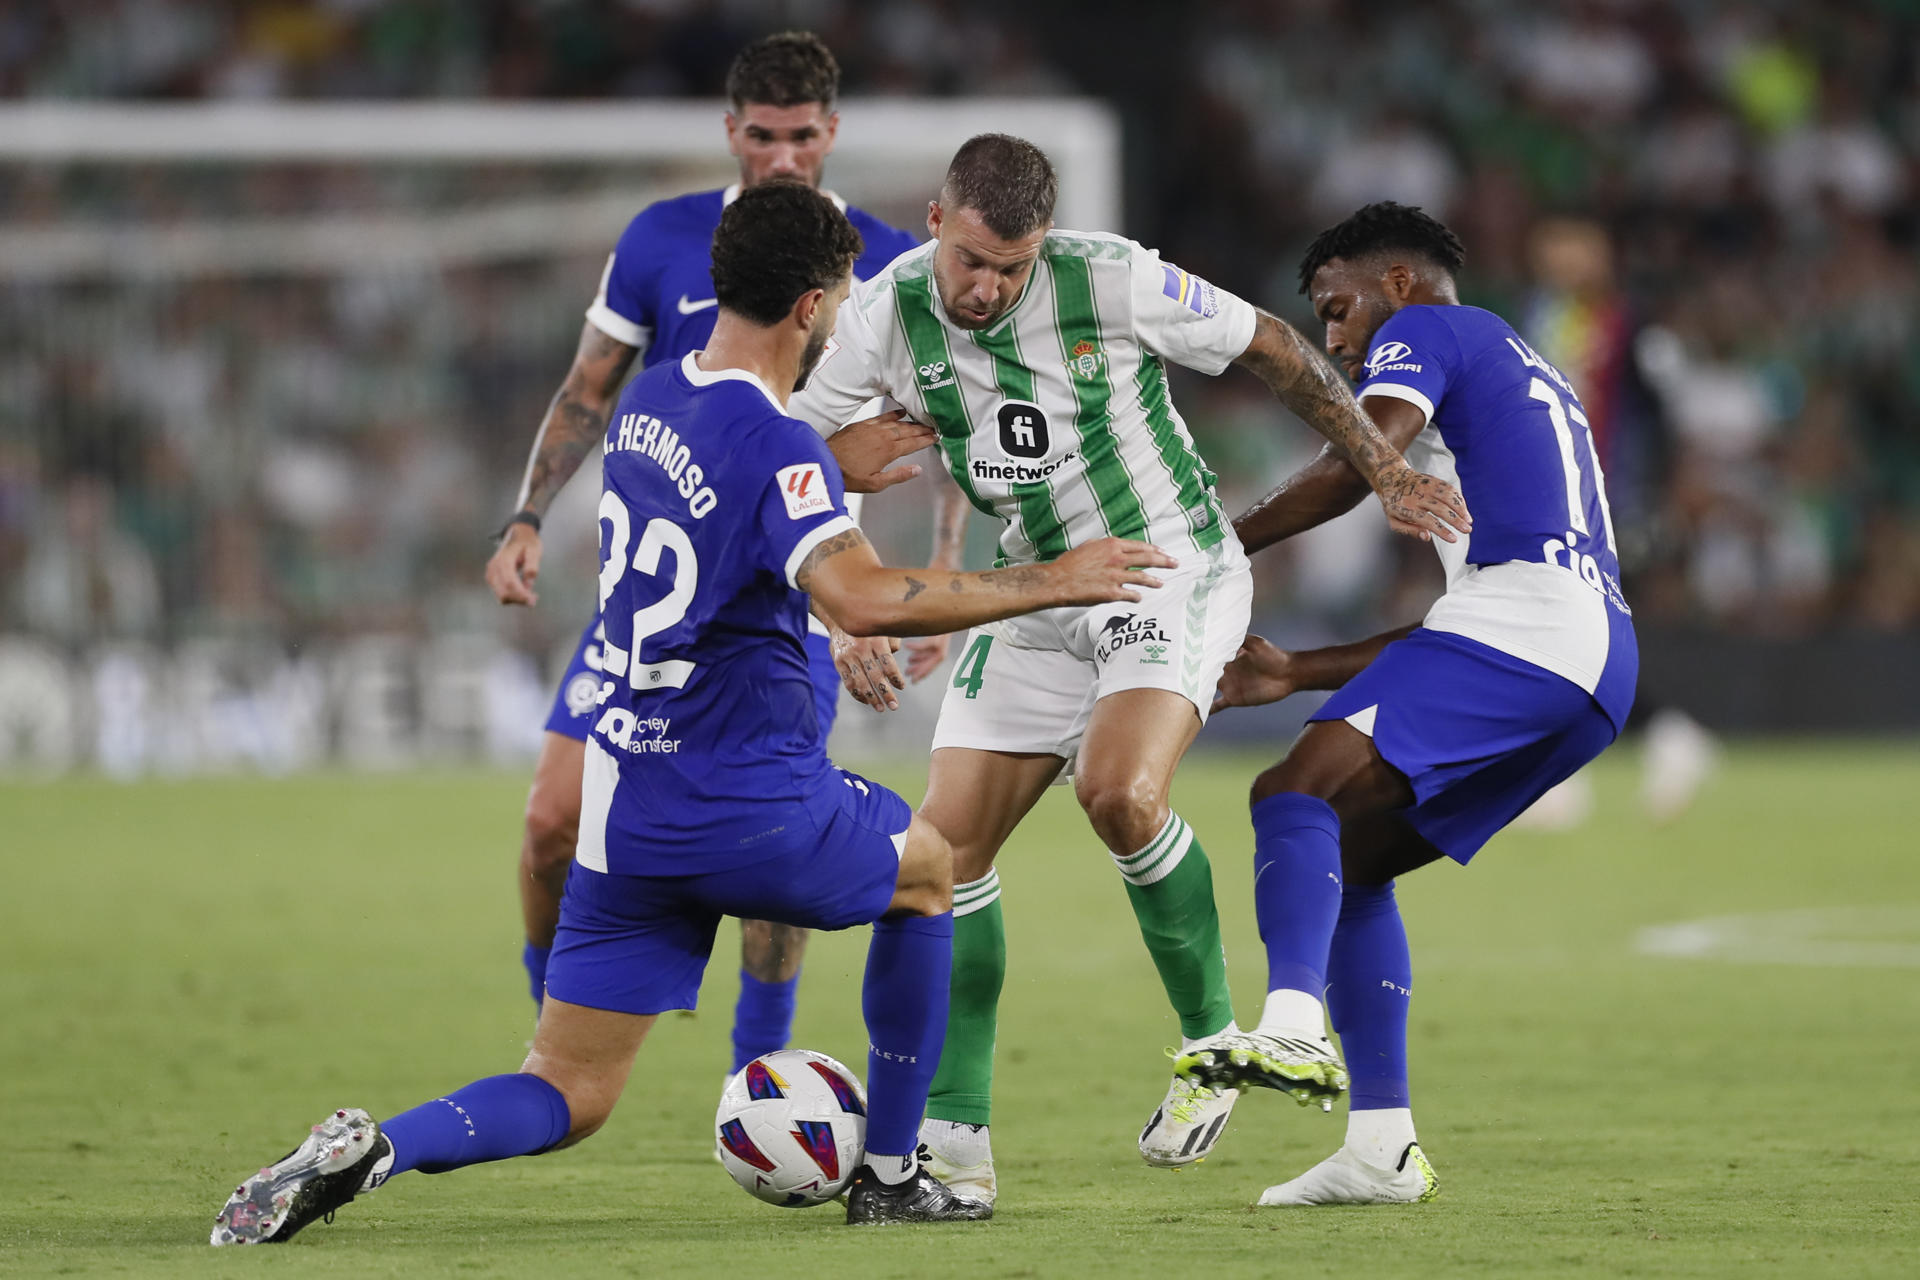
574, 703
639, 944
1478, 733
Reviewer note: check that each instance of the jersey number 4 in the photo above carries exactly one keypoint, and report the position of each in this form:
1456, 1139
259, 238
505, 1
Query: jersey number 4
659, 535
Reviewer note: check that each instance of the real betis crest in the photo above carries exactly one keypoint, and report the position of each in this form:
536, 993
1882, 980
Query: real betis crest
1086, 359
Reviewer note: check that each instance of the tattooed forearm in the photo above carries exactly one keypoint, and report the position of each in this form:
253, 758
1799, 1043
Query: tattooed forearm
576, 418
845, 540
914, 588
1303, 380
566, 437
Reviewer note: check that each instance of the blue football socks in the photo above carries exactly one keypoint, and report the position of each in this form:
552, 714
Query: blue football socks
535, 958
1296, 888
909, 967
492, 1119
763, 1018
1370, 986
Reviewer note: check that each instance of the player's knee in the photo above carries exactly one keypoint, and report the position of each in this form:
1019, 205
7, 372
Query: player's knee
552, 830
589, 1102
1126, 811
972, 862
925, 886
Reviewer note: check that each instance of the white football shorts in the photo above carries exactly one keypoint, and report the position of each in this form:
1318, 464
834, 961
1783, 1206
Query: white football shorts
1028, 684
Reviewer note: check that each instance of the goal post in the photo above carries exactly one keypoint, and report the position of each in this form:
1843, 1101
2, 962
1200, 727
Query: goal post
274, 368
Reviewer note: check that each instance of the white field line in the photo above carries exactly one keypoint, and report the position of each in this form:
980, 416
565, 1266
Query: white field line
1837, 937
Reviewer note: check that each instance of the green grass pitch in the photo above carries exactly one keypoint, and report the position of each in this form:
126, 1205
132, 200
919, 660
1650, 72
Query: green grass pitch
193, 972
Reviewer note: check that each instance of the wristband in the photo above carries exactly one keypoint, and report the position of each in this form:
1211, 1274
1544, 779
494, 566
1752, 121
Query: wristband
527, 518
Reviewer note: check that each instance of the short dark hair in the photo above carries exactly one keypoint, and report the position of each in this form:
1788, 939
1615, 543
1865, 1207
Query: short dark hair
788, 69
777, 241
1383, 226
1008, 181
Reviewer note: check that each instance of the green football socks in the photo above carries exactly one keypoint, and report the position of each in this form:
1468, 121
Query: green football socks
963, 1087
1170, 884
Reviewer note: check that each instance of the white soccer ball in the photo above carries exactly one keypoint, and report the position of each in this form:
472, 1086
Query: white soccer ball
792, 1127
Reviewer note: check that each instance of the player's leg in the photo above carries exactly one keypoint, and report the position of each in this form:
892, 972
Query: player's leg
1331, 771
552, 823
770, 954
904, 1000
1123, 777
580, 1061
975, 799
546, 848
1010, 714
1134, 741
1369, 993
1158, 663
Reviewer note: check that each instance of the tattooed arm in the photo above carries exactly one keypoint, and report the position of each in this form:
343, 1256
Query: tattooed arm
1326, 487
575, 421
1306, 383
867, 598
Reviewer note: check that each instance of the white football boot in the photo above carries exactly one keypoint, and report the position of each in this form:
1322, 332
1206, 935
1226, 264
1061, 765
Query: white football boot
342, 1156
961, 1156
1344, 1178
1187, 1124
1303, 1065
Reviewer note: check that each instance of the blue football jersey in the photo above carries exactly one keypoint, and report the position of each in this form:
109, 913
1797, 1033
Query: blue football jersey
706, 751
656, 293
1538, 577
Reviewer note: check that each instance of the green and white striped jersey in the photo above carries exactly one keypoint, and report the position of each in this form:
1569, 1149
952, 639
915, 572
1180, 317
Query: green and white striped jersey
1056, 419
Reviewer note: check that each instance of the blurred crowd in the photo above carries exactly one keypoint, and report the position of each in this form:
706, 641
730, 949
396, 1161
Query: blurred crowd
1703, 212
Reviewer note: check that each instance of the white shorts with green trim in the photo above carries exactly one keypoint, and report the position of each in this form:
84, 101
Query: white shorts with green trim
1029, 684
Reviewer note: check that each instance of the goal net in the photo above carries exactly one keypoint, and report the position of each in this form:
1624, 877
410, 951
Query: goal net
268, 374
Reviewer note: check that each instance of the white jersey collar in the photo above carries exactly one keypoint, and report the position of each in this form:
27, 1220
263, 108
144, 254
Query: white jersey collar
707, 377
732, 193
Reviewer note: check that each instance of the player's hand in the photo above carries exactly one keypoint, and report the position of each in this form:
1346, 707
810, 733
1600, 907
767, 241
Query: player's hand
1109, 570
1258, 674
924, 656
867, 449
1422, 506
515, 566
867, 669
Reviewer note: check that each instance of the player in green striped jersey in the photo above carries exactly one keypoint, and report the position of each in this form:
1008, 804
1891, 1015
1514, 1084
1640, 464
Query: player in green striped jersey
1040, 358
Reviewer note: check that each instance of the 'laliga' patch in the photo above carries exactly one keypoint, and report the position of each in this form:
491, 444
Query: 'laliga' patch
1190, 291
804, 490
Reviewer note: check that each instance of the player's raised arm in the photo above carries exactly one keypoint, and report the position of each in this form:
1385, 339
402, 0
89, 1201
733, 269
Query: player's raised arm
575, 421
1420, 505
867, 598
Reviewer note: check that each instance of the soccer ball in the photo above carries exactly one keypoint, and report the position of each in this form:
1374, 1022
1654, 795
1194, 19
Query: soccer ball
792, 1127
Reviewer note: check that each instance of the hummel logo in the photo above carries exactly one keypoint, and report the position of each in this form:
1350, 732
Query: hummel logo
688, 306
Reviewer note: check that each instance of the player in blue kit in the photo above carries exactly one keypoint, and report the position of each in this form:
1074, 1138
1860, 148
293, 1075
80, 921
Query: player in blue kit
707, 789
1441, 734
655, 304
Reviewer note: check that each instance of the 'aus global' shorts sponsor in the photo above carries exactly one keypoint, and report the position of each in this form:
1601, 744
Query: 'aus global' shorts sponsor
1030, 684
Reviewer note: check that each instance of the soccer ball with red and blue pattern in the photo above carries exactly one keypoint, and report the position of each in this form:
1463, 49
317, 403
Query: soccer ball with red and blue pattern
792, 1127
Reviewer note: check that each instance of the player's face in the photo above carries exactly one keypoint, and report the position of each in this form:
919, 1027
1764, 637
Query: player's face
825, 315
781, 142
979, 275
1352, 303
